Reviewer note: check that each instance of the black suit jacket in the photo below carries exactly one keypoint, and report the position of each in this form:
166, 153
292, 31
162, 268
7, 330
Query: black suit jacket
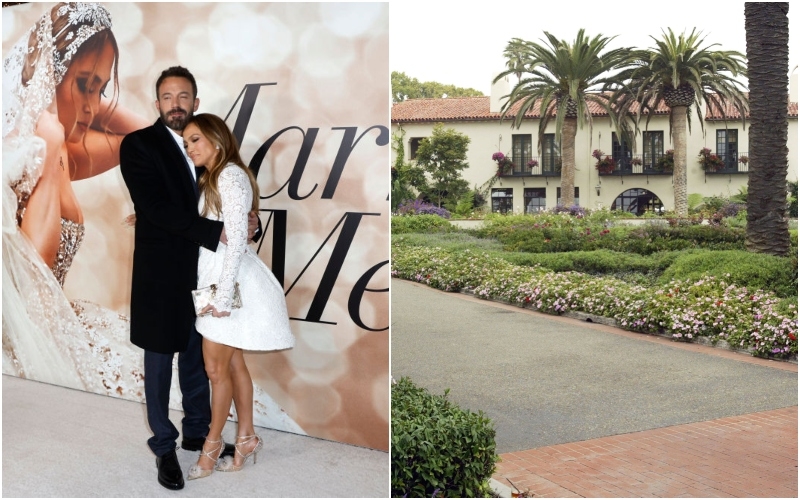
169, 232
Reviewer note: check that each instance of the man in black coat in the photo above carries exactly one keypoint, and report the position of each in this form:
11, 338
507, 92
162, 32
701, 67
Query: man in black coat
169, 231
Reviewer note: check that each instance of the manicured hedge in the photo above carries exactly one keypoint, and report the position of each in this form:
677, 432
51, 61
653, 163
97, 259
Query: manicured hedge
438, 449
421, 224
751, 270
642, 240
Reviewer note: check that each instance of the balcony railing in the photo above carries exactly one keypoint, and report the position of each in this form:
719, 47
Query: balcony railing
638, 165
546, 166
732, 164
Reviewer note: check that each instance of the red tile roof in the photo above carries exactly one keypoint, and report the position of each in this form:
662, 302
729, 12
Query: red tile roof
477, 109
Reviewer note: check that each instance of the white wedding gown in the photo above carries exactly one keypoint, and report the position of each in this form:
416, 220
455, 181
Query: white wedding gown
262, 323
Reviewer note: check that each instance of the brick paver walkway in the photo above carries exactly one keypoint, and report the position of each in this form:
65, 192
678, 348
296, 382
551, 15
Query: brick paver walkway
752, 455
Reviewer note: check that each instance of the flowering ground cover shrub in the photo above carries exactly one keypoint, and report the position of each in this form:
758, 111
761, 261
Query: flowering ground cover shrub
438, 449
419, 207
709, 307
436, 267
575, 210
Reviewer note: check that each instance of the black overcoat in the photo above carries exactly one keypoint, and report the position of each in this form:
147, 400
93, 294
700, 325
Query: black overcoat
169, 233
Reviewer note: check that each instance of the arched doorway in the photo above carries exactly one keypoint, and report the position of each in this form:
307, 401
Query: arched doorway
638, 201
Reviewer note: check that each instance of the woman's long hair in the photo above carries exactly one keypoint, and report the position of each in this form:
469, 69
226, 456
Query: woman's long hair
218, 133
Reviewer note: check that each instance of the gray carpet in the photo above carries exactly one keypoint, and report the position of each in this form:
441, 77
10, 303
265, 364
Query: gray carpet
547, 382
60, 442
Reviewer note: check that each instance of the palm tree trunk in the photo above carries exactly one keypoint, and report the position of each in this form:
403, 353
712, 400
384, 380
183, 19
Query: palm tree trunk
568, 132
767, 35
678, 117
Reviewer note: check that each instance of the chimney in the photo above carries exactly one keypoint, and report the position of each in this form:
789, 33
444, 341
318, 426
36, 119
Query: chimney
499, 89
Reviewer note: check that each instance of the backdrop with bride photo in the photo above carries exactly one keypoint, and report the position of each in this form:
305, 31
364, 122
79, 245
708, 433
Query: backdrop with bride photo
305, 88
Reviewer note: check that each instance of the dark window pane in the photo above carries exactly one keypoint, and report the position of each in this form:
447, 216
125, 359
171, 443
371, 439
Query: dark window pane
535, 200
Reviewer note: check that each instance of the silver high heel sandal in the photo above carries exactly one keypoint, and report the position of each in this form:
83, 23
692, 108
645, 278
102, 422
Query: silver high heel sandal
195, 471
227, 464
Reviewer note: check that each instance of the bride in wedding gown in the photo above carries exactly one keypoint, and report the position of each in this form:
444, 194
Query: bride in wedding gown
59, 126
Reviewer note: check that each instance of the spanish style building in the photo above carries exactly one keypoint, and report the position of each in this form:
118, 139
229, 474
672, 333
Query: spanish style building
639, 180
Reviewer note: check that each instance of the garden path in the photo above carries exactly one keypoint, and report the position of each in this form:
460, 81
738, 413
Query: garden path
602, 403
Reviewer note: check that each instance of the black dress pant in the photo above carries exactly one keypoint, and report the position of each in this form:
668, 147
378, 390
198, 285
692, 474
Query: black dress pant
195, 392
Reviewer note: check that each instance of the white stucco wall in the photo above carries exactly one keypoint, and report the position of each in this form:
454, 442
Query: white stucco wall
488, 137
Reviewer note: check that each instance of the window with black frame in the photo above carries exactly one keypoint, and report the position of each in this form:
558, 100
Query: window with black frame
620, 152
535, 200
652, 149
728, 148
502, 200
551, 154
577, 196
413, 145
521, 151
638, 201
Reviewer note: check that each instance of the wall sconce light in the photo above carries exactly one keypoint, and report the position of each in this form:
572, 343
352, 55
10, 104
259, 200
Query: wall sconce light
597, 188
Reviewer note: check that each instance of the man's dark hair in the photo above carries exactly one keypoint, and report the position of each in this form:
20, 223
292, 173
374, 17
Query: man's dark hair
178, 71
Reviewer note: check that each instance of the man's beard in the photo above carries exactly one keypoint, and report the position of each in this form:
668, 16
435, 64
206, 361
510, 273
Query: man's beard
176, 121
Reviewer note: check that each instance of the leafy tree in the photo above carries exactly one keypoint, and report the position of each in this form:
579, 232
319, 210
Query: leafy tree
443, 156
793, 199
562, 79
767, 35
406, 177
404, 87
680, 72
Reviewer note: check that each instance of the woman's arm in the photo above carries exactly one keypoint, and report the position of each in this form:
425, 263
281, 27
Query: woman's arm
236, 196
101, 150
42, 220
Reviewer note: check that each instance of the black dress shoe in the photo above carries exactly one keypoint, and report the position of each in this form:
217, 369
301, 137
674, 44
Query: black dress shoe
228, 450
169, 471
196, 444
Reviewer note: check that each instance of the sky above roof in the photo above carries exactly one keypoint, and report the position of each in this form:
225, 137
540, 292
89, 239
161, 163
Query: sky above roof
461, 43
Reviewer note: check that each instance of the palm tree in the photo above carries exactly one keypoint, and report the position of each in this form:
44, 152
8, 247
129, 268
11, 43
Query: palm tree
680, 72
767, 35
561, 79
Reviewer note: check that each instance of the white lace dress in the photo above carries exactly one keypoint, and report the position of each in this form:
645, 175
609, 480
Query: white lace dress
262, 323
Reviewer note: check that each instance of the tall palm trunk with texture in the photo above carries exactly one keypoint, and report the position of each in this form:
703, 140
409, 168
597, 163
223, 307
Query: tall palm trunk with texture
568, 133
767, 35
679, 171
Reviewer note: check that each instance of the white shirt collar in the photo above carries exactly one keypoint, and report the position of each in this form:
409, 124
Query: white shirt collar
179, 141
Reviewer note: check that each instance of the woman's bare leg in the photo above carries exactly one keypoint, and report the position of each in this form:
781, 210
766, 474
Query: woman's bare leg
217, 358
243, 399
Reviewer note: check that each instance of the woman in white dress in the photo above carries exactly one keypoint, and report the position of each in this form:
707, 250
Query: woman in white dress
228, 191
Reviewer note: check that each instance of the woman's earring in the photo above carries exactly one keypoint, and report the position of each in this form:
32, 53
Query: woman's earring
217, 146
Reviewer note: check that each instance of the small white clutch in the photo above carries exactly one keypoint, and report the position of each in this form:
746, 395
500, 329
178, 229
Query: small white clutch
203, 297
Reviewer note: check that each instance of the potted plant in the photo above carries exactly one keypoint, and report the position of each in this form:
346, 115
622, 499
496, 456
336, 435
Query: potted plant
636, 161
666, 163
533, 164
710, 162
744, 159
604, 165
504, 164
